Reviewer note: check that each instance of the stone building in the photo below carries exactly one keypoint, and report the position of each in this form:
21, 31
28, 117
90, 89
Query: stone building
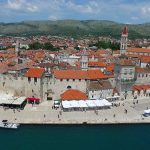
34, 83
100, 89
124, 41
125, 76
142, 76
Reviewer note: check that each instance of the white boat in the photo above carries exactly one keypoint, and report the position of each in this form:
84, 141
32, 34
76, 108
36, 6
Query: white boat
6, 124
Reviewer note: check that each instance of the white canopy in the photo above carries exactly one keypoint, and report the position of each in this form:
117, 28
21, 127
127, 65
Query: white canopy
74, 104
90, 103
147, 111
85, 103
99, 103
19, 101
66, 104
82, 104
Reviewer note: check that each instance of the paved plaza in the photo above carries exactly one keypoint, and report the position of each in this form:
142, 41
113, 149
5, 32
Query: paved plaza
127, 111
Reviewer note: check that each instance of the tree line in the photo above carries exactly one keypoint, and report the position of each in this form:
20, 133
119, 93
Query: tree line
47, 46
106, 44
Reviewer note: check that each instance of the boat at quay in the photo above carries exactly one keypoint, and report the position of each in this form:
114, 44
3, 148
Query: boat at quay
7, 124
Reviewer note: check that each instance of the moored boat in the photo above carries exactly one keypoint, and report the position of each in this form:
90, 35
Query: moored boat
6, 124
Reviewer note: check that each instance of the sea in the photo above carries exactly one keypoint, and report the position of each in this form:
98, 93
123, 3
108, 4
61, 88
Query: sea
76, 137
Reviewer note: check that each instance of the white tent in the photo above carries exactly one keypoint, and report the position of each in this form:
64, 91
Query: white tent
106, 103
66, 104
82, 104
19, 100
147, 111
74, 104
90, 103
99, 103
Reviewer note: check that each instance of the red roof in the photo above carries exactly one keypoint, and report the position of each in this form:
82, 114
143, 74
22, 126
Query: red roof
79, 74
110, 67
140, 87
73, 95
95, 74
96, 64
32, 99
70, 74
139, 50
35, 72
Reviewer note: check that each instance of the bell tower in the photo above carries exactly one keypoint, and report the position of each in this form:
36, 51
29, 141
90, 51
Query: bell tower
84, 60
124, 41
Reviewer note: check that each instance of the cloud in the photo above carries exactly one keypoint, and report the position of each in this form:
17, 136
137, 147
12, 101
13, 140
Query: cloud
145, 10
21, 6
54, 18
91, 7
117, 10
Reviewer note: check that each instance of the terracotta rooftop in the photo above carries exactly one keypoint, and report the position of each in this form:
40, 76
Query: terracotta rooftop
110, 67
142, 70
79, 74
140, 87
125, 62
73, 95
70, 74
95, 74
35, 72
97, 64
99, 85
139, 50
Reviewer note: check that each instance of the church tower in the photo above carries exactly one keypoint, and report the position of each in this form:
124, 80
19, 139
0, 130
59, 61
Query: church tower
84, 60
17, 50
124, 41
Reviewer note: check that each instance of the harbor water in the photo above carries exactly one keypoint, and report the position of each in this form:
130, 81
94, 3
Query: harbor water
76, 137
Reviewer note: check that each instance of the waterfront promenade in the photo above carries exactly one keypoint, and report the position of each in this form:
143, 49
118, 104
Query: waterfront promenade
127, 111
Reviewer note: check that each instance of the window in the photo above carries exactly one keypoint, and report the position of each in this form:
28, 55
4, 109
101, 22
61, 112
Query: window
29, 79
35, 80
68, 87
61, 80
146, 75
138, 75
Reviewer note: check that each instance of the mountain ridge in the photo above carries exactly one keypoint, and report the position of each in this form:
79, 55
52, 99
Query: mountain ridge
74, 28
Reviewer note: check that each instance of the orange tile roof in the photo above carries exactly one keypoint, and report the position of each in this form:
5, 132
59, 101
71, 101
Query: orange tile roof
142, 70
125, 62
35, 72
73, 95
110, 67
145, 59
70, 74
98, 64
139, 50
140, 87
80, 74
95, 74
11, 49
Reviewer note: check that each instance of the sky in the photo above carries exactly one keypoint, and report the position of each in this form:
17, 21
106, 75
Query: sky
124, 11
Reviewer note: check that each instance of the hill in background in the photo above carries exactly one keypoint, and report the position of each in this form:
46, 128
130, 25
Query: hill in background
74, 28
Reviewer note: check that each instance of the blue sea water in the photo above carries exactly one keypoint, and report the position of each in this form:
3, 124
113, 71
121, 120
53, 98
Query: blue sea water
76, 137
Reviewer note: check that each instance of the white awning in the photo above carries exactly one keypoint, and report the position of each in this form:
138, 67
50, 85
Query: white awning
90, 103
19, 101
85, 103
66, 104
147, 111
82, 104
